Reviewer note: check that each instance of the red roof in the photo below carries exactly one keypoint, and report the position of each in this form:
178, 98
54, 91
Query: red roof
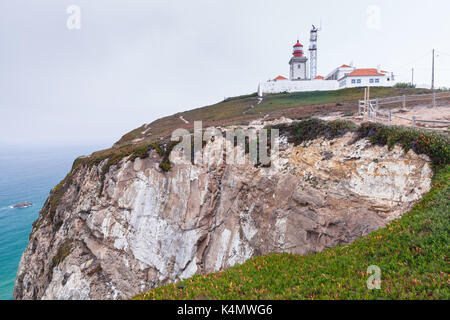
345, 66
319, 77
298, 44
280, 78
364, 72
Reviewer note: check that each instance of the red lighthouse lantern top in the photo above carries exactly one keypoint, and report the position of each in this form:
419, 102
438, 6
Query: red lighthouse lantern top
298, 49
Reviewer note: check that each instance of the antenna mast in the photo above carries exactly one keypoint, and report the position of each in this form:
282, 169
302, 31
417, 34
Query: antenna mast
432, 73
313, 52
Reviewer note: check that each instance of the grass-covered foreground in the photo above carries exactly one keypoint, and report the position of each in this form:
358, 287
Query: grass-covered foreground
412, 252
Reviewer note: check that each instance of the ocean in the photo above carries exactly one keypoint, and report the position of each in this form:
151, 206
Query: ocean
27, 174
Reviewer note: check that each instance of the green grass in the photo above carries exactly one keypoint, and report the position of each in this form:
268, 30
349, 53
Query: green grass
412, 252
292, 100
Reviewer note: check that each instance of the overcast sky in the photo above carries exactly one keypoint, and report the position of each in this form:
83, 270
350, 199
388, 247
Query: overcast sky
134, 61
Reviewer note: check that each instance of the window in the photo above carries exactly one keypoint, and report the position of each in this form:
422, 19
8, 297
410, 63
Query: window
359, 80
377, 80
353, 81
299, 66
371, 80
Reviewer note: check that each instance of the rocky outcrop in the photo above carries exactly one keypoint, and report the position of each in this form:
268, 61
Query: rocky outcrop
138, 227
25, 204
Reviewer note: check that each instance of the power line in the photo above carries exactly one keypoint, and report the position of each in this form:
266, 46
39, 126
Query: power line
415, 60
444, 53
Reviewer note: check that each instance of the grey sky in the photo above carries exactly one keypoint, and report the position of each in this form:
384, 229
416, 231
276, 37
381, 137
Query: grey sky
135, 61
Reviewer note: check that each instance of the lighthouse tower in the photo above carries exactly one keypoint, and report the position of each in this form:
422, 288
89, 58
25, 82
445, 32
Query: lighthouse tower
298, 63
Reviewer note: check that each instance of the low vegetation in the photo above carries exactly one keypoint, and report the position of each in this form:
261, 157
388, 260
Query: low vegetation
113, 156
164, 151
314, 128
63, 251
97, 269
433, 144
48, 212
404, 85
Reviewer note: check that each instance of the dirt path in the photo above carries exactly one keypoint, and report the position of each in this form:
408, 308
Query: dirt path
184, 120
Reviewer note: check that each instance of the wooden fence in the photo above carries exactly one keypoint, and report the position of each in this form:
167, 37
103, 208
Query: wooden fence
373, 107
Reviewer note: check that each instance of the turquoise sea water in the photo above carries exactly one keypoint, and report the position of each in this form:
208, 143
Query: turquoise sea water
26, 174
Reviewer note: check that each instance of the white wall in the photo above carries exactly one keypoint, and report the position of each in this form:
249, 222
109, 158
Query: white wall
298, 70
297, 86
365, 81
321, 85
340, 72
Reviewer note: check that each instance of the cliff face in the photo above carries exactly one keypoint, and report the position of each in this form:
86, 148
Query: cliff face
138, 227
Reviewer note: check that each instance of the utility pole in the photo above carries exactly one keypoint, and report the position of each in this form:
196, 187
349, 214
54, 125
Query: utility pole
412, 76
432, 73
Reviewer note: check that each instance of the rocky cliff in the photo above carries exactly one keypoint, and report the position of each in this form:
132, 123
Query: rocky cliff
110, 234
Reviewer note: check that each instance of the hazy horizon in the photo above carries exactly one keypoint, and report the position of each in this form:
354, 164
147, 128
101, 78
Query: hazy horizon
133, 62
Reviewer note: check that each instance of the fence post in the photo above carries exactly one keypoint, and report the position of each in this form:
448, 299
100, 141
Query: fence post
434, 99
404, 101
390, 116
376, 109
359, 107
414, 121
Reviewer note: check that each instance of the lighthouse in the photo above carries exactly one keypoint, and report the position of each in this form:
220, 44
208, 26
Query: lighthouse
298, 63
303, 75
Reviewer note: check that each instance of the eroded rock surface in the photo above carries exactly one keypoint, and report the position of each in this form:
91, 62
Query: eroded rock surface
142, 227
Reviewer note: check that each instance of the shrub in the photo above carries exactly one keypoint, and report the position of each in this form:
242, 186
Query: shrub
404, 85
314, 128
433, 144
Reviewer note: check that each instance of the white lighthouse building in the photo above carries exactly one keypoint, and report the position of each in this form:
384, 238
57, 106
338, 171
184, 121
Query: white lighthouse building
302, 79
298, 63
